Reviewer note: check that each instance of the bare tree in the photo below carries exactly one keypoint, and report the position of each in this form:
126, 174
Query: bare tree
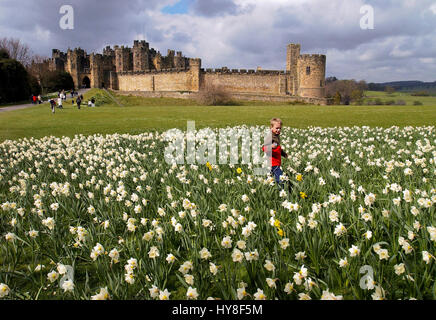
17, 50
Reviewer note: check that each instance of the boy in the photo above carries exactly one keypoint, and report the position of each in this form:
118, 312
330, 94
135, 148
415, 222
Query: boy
273, 149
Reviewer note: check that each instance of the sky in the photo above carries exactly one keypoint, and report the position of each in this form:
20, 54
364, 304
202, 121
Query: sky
244, 34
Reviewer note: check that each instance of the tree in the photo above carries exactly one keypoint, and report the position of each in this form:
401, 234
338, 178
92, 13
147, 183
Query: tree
56, 80
14, 79
350, 90
17, 50
337, 98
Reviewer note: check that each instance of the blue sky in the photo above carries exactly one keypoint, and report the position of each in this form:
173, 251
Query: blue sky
181, 7
244, 34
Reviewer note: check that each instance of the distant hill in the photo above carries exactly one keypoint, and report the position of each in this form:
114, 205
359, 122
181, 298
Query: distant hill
405, 86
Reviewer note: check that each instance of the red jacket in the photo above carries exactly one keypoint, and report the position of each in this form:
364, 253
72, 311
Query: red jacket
276, 156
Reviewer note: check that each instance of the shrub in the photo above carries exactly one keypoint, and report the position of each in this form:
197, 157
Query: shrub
378, 102
417, 103
55, 81
390, 102
212, 95
420, 94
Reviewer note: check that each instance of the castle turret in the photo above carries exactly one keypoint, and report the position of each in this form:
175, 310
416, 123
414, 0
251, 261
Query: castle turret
123, 59
292, 55
140, 56
311, 75
194, 70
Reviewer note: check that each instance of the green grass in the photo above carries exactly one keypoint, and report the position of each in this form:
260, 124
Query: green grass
407, 97
142, 114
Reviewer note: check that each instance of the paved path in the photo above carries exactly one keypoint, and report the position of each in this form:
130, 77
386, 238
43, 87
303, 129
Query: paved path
24, 106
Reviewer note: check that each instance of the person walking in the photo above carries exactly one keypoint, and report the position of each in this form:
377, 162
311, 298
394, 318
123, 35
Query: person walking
60, 103
34, 98
78, 101
52, 104
39, 99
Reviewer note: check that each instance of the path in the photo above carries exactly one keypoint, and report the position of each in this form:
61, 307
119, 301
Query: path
24, 106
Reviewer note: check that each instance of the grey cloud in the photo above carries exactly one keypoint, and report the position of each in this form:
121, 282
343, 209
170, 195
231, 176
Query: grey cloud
212, 8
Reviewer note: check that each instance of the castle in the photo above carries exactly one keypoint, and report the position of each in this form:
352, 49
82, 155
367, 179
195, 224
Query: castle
143, 70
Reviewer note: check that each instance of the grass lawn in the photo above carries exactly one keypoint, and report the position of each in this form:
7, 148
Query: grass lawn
142, 114
406, 97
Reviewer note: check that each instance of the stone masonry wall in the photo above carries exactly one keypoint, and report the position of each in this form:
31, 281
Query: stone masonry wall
155, 81
237, 82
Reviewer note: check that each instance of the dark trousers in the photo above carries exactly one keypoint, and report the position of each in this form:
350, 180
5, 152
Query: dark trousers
277, 172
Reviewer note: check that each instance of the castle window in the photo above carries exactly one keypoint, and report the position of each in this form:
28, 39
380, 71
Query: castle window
308, 71
320, 83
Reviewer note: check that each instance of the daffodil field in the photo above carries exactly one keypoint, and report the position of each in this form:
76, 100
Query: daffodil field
105, 217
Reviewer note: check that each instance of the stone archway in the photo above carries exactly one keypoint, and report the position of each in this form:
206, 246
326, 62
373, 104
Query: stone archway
86, 83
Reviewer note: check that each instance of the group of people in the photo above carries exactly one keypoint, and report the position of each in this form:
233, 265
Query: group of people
62, 97
35, 99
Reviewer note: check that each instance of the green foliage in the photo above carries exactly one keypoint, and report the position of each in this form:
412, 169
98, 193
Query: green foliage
55, 81
337, 98
14, 80
417, 103
35, 88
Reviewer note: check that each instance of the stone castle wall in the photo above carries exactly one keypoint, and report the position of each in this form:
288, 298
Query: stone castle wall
143, 69
243, 82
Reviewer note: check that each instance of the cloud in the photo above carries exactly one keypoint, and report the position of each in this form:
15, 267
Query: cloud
244, 33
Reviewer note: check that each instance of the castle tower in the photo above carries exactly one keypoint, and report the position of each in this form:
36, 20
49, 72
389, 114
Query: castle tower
123, 59
311, 75
292, 55
140, 56
75, 64
194, 70
96, 66
179, 61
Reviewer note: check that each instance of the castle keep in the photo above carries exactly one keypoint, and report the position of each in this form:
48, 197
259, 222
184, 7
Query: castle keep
143, 70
